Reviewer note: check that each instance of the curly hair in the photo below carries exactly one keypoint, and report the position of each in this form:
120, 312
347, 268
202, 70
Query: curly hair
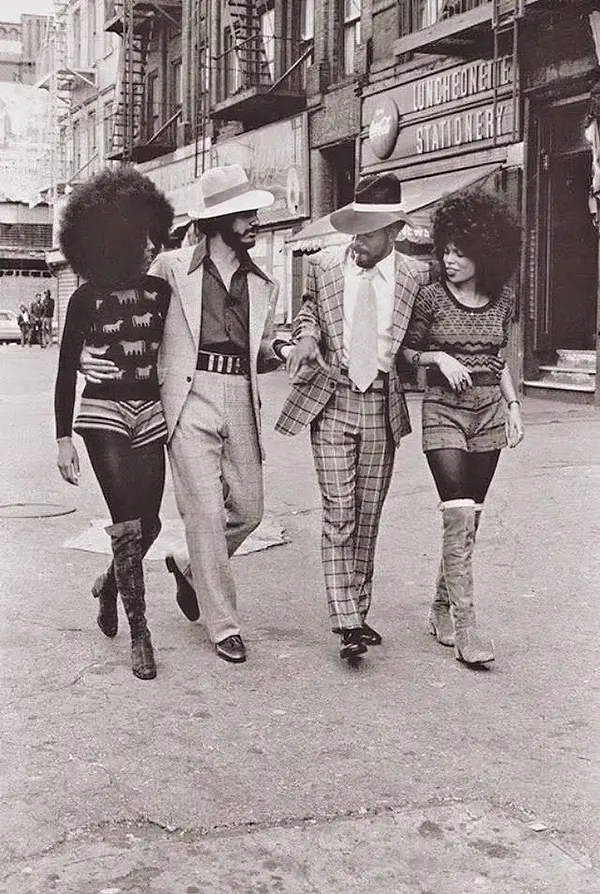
106, 223
484, 228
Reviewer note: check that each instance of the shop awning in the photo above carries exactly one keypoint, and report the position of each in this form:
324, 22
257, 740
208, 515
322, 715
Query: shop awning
418, 198
317, 235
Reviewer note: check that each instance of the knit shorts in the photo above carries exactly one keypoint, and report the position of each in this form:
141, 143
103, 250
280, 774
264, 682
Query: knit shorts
474, 420
141, 421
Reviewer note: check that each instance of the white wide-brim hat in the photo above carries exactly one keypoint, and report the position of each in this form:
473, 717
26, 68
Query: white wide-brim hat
227, 190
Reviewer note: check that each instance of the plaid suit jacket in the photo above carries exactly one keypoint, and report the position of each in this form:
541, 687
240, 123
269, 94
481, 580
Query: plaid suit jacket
322, 316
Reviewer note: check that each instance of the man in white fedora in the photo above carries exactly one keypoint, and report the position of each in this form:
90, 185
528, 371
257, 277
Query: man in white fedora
217, 337
346, 386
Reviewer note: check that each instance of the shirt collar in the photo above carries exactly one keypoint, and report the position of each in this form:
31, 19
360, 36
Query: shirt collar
384, 268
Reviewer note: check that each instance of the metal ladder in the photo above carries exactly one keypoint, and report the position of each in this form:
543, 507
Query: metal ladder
201, 26
248, 43
136, 34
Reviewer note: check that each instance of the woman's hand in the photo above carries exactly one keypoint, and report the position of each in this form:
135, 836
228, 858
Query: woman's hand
68, 460
514, 425
458, 376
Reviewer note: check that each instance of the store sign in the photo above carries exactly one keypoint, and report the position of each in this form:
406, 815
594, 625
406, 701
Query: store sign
469, 106
383, 128
461, 83
472, 126
275, 157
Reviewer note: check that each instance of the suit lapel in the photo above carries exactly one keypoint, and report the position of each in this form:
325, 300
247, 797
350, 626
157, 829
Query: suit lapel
405, 291
333, 304
188, 275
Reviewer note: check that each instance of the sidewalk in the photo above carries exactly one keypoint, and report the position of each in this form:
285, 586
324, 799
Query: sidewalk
295, 773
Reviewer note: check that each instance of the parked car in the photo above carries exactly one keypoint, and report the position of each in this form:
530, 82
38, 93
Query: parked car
9, 328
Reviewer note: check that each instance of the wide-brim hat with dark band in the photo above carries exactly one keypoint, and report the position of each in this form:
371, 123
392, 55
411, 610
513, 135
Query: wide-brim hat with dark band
377, 204
227, 190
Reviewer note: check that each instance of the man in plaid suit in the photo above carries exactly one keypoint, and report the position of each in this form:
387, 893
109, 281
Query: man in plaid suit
346, 386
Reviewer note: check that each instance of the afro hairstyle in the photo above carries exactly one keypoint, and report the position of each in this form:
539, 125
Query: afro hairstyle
106, 223
484, 228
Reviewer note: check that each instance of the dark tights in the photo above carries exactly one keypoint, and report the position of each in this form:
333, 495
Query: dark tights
131, 479
460, 475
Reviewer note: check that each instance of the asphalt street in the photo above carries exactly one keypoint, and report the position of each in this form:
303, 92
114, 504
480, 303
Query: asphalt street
296, 773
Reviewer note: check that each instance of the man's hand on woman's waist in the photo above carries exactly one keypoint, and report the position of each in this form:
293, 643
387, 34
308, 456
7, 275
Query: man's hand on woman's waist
95, 366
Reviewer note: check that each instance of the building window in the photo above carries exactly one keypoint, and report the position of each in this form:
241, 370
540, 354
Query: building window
76, 147
351, 33
267, 30
232, 80
77, 39
108, 126
176, 86
92, 141
152, 105
109, 13
91, 52
307, 34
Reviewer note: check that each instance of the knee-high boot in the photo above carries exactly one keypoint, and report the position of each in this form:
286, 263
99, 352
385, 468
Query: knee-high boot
440, 621
458, 543
105, 586
126, 539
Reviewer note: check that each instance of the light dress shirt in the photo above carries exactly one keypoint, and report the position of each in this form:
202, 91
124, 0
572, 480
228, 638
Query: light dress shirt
384, 285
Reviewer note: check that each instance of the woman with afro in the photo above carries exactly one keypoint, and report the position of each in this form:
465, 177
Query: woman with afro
470, 409
112, 226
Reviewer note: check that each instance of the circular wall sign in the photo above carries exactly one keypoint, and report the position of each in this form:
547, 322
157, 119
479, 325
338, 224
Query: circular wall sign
383, 129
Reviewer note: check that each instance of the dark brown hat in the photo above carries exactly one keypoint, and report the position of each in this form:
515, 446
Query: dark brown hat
377, 204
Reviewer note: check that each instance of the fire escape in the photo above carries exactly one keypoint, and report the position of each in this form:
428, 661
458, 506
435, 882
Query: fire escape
259, 72
135, 22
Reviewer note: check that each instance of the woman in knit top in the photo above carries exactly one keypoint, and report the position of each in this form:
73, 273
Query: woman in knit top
112, 227
470, 409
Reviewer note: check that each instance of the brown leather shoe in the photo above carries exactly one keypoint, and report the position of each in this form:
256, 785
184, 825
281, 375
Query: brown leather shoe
185, 595
232, 649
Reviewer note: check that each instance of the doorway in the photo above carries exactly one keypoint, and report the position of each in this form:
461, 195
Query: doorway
574, 260
563, 237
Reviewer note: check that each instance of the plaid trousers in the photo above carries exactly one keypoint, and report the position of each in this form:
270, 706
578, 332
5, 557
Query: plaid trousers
353, 452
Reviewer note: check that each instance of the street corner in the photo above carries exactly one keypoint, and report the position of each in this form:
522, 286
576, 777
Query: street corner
444, 848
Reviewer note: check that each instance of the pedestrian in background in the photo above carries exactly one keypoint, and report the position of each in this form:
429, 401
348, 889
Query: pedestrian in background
112, 227
24, 323
47, 318
35, 320
470, 408
346, 386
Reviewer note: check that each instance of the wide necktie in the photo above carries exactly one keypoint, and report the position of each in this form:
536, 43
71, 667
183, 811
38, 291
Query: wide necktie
362, 355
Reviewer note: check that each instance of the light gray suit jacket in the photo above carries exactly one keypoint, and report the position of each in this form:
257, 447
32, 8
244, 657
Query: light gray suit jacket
177, 356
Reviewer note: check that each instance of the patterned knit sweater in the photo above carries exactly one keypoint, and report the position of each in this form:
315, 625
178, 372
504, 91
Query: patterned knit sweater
473, 335
129, 324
